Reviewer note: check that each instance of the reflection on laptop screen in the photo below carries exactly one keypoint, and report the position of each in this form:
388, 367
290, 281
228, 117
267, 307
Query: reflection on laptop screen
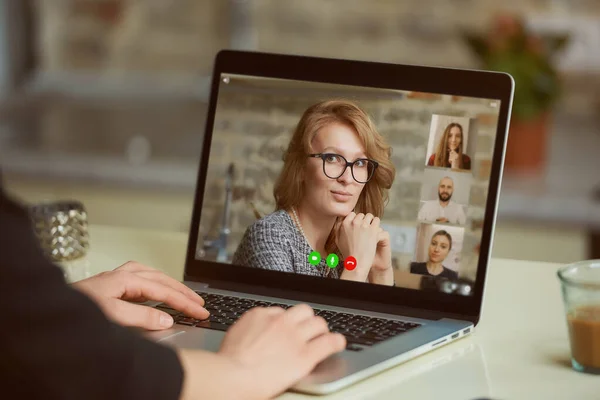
294, 166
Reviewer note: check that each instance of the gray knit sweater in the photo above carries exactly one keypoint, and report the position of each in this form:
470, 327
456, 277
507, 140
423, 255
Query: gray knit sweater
275, 243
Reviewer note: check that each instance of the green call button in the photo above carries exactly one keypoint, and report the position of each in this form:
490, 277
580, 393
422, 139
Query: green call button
314, 258
332, 260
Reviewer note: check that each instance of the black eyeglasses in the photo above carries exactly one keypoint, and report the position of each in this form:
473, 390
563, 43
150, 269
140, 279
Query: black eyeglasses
334, 166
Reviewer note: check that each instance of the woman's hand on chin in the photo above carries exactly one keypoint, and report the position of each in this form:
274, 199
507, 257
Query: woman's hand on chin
357, 236
383, 256
453, 159
381, 271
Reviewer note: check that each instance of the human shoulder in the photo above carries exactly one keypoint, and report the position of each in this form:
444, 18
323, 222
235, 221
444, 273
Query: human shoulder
466, 161
450, 274
456, 207
277, 223
418, 268
453, 204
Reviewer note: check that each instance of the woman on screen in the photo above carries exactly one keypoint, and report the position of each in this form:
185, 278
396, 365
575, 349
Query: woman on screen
439, 247
449, 153
329, 197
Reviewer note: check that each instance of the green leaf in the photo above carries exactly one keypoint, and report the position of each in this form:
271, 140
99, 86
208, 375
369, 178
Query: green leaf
537, 82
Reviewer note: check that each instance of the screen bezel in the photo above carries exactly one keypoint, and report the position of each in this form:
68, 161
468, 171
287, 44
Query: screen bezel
448, 81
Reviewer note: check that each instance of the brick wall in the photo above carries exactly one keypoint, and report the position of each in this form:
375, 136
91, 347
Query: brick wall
109, 36
253, 127
184, 35
174, 41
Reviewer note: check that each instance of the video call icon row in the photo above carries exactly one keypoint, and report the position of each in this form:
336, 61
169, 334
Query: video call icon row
332, 260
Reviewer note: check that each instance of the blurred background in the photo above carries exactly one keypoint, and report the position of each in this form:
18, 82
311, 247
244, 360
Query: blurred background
104, 101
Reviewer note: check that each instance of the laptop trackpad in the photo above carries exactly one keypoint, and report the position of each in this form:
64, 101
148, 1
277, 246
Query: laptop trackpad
192, 338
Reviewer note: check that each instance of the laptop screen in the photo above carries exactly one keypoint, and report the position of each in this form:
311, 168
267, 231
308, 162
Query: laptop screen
385, 187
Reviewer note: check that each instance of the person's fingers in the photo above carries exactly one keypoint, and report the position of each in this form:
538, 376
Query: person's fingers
383, 238
386, 236
273, 311
262, 313
368, 219
167, 280
256, 319
358, 220
139, 287
324, 346
349, 218
376, 223
313, 327
128, 314
298, 313
134, 266
266, 312
159, 276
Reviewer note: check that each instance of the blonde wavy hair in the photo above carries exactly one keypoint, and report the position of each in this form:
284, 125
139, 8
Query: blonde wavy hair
442, 152
289, 188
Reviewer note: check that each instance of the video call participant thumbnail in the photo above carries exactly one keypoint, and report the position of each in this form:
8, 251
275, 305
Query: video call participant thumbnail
439, 247
449, 152
443, 210
329, 197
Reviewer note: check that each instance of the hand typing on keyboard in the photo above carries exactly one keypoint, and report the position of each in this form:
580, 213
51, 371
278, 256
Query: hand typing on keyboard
279, 347
264, 352
132, 281
267, 350
359, 330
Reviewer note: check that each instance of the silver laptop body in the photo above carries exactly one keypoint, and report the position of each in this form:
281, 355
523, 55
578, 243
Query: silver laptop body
446, 310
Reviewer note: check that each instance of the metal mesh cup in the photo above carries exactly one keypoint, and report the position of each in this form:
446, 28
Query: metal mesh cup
62, 229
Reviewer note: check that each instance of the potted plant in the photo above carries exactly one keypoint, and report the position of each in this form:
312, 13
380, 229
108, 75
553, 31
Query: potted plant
510, 47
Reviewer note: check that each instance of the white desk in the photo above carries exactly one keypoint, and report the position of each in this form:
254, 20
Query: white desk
518, 351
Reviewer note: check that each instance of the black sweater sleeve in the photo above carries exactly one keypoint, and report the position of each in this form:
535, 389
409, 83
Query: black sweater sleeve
55, 343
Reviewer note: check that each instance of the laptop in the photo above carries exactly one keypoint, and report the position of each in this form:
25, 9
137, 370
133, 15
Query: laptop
428, 164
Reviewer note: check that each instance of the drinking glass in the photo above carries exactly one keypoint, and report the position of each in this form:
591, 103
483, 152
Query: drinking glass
581, 296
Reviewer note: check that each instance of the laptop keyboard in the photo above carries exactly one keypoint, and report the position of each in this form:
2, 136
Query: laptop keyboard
359, 330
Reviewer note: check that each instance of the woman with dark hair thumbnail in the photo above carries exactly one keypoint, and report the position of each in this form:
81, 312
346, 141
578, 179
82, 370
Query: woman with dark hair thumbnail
439, 247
